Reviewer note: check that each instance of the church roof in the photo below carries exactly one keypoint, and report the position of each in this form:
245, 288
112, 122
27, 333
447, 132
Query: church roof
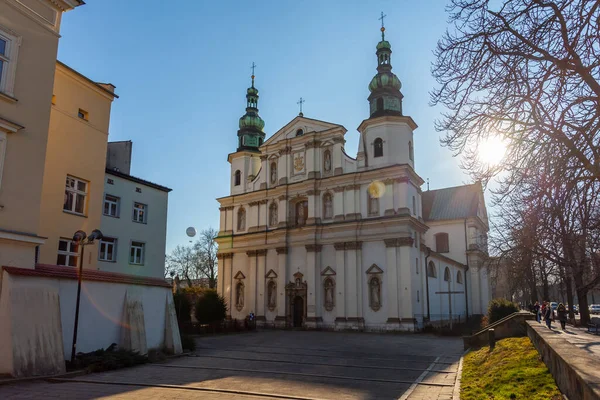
451, 203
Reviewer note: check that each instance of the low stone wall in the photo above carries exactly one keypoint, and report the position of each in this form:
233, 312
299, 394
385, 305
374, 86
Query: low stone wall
576, 372
511, 326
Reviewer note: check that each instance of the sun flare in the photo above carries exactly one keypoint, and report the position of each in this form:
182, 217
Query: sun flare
491, 151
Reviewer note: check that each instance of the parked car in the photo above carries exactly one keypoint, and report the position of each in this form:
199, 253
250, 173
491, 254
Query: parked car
554, 305
575, 309
595, 309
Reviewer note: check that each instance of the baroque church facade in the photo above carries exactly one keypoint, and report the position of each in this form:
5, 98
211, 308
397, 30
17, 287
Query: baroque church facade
311, 237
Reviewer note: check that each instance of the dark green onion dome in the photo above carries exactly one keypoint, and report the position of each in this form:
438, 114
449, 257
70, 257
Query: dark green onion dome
250, 134
385, 97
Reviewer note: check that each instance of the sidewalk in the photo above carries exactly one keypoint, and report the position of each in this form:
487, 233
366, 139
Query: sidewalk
580, 338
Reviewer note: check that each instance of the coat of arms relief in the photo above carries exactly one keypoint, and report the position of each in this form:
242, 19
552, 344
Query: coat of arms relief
298, 163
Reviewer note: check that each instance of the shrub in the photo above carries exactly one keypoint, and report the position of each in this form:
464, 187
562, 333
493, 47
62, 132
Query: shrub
182, 307
211, 308
188, 342
500, 308
109, 359
484, 322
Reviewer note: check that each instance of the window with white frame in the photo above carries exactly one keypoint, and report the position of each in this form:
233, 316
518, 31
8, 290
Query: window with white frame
9, 46
140, 212
107, 249
75, 195
111, 205
136, 253
68, 253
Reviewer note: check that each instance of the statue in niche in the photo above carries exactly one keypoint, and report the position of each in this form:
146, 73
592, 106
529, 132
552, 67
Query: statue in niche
273, 173
239, 302
273, 214
375, 293
329, 294
373, 205
271, 295
327, 163
328, 206
298, 283
241, 219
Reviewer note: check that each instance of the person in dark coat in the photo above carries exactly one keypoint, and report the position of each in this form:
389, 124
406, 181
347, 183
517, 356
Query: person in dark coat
537, 312
562, 315
548, 315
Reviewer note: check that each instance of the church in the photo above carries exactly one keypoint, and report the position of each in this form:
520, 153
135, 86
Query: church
312, 237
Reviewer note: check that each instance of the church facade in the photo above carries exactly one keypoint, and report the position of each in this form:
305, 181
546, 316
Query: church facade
311, 237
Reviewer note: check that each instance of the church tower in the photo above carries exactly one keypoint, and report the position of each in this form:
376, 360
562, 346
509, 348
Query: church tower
245, 162
387, 135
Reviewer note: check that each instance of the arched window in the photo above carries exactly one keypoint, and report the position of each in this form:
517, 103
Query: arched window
378, 147
431, 270
447, 275
380, 104
299, 132
441, 243
241, 219
238, 178
459, 278
273, 173
411, 154
327, 206
273, 214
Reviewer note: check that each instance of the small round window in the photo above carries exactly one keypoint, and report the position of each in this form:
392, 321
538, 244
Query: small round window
299, 132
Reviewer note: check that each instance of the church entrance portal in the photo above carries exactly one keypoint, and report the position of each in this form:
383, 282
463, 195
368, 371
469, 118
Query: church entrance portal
295, 299
298, 311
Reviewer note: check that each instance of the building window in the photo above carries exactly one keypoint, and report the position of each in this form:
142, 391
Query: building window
378, 147
107, 250
273, 173
299, 132
379, 105
241, 219
238, 178
459, 278
111, 205
82, 114
301, 213
68, 253
110, 181
136, 253
447, 275
411, 154
414, 206
327, 206
9, 48
417, 265
75, 195
140, 213
441, 243
431, 270
138, 190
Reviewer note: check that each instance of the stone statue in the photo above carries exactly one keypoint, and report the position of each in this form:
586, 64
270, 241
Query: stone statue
327, 161
273, 173
328, 206
240, 295
301, 217
375, 287
328, 294
273, 215
374, 205
271, 295
241, 220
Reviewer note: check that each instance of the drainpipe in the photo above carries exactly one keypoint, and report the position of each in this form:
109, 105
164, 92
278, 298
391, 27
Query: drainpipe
466, 270
427, 281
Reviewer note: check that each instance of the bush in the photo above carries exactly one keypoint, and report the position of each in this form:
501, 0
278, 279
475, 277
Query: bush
188, 342
211, 308
484, 322
109, 359
500, 308
182, 307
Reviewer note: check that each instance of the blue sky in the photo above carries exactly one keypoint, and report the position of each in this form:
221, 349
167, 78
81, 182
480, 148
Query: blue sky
182, 71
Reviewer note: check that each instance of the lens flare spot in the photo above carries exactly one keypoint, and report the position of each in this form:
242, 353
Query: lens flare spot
376, 189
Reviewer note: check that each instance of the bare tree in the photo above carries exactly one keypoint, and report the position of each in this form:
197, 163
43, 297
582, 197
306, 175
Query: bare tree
184, 261
526, 71
206, 249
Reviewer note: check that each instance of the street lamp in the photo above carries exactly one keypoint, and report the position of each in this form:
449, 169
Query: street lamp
82, 239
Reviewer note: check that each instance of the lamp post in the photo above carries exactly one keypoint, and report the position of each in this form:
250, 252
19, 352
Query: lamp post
82, 239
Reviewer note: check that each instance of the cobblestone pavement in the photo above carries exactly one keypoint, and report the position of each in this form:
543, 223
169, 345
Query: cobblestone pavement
278, 365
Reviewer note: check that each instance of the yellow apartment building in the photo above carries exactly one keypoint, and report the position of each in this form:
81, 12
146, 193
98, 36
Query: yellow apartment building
73, 185
29, 33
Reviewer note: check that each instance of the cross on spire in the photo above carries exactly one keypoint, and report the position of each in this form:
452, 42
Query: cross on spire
382, 25
300, 102
253, 66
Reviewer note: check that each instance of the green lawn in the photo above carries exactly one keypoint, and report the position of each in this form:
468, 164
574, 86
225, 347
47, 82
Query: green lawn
513, 370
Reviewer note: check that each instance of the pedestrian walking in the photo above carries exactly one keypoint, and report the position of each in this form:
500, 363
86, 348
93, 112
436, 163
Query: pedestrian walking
562, 315
537, 311
548, 316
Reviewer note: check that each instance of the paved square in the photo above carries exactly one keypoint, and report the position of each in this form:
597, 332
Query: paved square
278, 365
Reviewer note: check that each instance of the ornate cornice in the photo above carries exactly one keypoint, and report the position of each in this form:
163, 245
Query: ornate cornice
352, 187
264, 157
353, 245
226, 208
264, 201
312, 143
405, 241
338, 189
390, 242
254, 203
224, 256
313, 192
389, 181
281, 250
285, 150
339, 140
313, 247
261, 252
339, 246
282, 197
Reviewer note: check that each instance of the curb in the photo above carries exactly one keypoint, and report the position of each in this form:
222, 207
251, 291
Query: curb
67, 375
456, 392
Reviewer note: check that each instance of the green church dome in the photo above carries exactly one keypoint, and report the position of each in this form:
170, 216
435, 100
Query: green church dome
252, 121
252, 90
385, 80
384, 44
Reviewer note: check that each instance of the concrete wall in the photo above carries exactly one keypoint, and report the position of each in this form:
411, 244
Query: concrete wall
101, 314
153, 233
76, 147
118, 155
575, 371
510, 326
